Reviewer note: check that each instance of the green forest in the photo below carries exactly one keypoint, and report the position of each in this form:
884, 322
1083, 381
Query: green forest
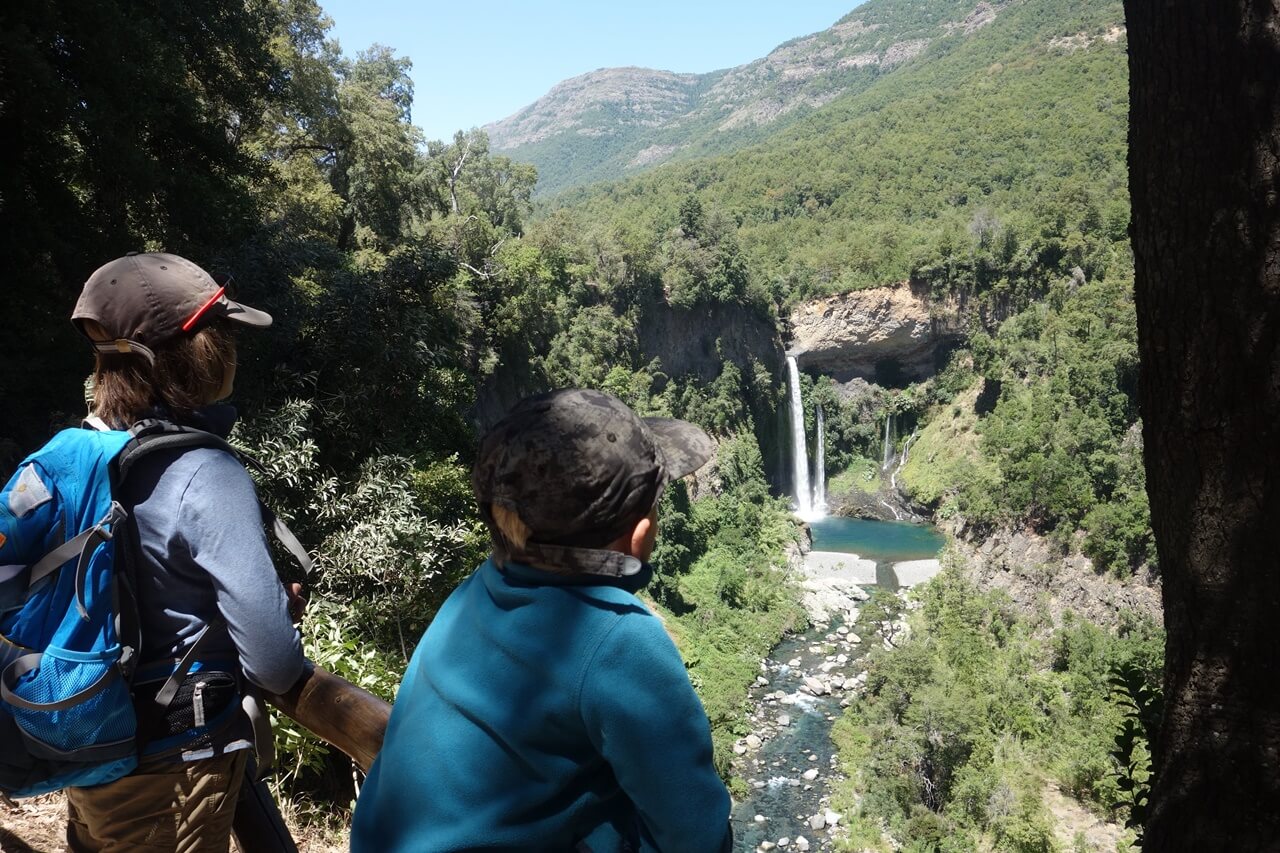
420, 288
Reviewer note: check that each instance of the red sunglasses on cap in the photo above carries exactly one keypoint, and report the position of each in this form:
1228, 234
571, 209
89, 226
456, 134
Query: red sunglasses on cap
203, 309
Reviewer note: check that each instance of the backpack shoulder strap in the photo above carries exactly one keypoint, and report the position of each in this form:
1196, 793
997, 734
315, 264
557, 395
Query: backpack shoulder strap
155, 434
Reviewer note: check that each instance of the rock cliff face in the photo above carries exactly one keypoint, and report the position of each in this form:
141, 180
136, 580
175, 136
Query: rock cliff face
697, 341
890, 335
687, 342
1040, 579
598, 103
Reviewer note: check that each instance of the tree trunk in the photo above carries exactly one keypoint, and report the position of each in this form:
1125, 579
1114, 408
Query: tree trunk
1204, 161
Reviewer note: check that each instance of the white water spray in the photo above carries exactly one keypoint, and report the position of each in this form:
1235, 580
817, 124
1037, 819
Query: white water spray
888, 447
820, 469
799, 454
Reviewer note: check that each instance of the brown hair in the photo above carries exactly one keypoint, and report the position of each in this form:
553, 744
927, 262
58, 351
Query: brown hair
188, 373
510, 535
511, 532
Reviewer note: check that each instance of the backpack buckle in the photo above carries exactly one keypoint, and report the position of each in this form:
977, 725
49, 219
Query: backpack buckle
153, 426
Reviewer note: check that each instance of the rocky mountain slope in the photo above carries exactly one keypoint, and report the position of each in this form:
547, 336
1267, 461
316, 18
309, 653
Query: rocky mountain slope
615, 121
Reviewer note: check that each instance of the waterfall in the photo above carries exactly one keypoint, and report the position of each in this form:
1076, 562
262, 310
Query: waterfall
820, 469
906, 448
888, 446
799, 454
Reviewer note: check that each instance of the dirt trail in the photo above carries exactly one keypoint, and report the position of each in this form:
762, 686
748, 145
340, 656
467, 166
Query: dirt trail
37, 825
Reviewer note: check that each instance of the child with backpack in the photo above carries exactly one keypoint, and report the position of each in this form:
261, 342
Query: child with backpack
195, 609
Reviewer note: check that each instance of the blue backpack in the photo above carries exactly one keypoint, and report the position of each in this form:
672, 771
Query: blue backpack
68, 618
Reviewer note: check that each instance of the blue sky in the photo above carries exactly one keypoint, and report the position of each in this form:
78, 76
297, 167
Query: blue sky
477, 62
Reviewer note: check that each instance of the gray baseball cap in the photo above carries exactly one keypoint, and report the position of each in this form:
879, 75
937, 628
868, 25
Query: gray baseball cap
145, 299
579, 467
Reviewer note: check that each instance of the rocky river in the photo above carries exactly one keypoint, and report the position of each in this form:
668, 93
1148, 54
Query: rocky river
788, 759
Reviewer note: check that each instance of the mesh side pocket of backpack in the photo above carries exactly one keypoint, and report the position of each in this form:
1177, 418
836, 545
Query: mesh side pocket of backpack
105, 717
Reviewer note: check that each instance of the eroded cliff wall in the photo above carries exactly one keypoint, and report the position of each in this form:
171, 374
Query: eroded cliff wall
889, 335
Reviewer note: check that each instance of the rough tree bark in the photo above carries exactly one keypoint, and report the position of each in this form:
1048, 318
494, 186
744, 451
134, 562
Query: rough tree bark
1204, 173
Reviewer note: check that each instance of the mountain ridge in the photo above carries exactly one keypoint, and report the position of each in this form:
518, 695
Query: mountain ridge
613, 122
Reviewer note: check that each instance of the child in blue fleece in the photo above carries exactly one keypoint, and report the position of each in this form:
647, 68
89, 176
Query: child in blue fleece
546, 708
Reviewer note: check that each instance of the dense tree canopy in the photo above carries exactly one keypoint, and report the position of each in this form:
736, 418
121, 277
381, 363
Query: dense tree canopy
123, 129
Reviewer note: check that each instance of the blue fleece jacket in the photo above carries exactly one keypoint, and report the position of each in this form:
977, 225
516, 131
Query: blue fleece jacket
544, 712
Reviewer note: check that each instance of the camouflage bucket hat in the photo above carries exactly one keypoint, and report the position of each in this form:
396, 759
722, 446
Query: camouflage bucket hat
579, 467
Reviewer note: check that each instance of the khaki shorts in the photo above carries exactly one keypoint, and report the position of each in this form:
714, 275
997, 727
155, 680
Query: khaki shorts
163, 805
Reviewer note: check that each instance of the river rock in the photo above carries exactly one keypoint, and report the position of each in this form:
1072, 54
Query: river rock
762, 681
854, 638
815, 686
784, 720
767, 845
739, 749
830, 589
842, 630
914, 572
753, 741
793, 663
802, 843
810, 774
784, 841
817, 822
831, 818
758, 818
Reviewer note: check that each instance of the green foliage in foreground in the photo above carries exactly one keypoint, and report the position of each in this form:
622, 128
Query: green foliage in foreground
329, 643
966, 721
